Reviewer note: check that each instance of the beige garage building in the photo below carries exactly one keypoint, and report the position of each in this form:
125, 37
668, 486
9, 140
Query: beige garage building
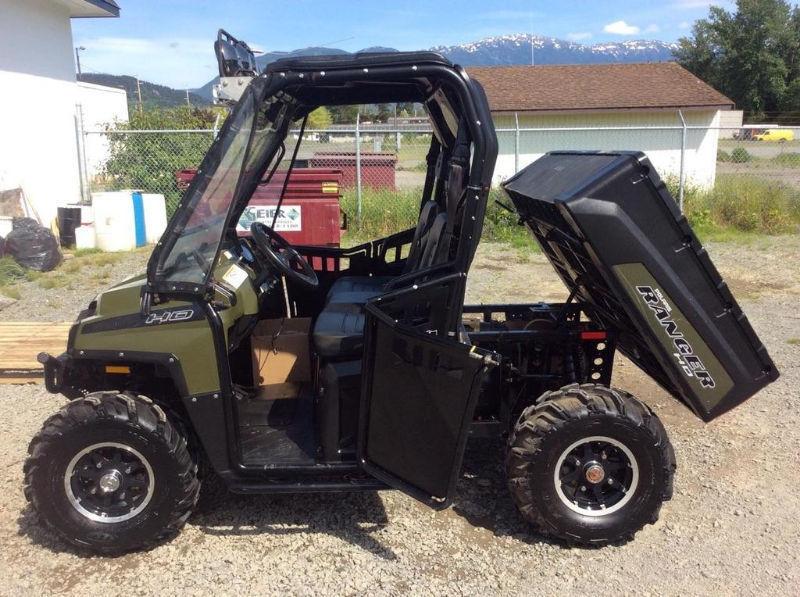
606, 106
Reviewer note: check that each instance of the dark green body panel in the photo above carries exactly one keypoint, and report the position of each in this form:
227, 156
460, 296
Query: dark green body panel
190, 342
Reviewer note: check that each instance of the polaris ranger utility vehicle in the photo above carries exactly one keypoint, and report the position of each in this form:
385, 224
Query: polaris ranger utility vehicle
390, 372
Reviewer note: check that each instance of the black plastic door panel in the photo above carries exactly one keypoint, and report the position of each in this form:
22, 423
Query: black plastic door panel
418, 398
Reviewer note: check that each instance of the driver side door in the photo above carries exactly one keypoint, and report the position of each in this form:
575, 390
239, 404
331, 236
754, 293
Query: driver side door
419, 390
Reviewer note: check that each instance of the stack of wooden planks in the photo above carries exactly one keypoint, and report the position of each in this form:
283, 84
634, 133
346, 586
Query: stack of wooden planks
21, 341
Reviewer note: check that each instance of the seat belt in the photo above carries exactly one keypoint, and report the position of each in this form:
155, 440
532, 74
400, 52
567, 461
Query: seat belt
455, 184
432, 160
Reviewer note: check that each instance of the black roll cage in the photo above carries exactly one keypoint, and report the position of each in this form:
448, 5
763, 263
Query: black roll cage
449, 79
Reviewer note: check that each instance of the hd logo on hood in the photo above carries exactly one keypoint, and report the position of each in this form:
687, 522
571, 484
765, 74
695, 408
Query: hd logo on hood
685, 356
169, 316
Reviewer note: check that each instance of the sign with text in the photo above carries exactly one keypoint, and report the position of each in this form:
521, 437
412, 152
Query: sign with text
290, 217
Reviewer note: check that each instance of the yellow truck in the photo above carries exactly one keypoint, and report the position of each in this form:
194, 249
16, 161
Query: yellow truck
776, 135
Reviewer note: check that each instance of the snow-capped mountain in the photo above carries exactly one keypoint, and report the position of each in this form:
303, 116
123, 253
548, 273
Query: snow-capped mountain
524, 48
515, 49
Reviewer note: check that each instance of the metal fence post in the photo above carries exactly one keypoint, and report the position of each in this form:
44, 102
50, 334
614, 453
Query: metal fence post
516, 142
80, 139
682, 175
358, 167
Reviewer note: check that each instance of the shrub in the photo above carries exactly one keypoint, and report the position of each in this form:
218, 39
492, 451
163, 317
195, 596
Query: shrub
149, 161
746, 204
740, 155
11, 271
790, 159
723, 156
501, 225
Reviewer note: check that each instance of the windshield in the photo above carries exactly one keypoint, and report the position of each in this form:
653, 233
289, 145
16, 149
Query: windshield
229, 171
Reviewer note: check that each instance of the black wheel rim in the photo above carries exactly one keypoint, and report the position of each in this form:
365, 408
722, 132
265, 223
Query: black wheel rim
596, 476
109, 482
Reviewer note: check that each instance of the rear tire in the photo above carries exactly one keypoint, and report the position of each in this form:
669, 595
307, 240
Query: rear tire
589, 465
110, 473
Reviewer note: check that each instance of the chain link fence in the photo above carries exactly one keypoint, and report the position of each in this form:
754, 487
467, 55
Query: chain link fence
143, 160
382, 168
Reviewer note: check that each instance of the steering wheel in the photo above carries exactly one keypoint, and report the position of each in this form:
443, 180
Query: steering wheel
283, 256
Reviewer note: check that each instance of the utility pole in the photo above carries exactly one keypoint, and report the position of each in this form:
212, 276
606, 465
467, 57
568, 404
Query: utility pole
139, 93
78, 50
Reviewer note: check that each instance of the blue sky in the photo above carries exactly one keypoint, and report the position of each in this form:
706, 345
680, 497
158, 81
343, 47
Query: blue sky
170, 41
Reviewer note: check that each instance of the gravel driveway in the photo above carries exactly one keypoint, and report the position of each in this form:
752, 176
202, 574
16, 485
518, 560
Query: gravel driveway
732, 527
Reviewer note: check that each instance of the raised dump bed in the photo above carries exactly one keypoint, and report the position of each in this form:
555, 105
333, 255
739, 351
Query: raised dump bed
618, 241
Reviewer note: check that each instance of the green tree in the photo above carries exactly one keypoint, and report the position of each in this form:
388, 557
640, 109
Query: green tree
751, 55
343, 114
383, 112
182, 117
320, 118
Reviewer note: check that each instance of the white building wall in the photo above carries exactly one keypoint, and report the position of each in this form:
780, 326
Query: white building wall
38, 149
663, 147
98, 108
730, 123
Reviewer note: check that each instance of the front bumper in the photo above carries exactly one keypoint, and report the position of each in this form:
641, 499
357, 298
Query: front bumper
54, 369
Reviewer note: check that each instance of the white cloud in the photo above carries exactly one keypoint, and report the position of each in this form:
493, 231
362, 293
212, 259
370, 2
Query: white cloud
621, 28
652, 28
176, 62
684, 25
579, 35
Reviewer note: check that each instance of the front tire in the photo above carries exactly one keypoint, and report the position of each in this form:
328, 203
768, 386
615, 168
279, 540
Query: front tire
589, 465
110, 473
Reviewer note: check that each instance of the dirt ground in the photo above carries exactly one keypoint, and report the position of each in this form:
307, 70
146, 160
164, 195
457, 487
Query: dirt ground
732, 527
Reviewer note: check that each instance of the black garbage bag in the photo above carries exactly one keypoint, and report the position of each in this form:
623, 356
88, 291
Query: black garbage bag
32, 245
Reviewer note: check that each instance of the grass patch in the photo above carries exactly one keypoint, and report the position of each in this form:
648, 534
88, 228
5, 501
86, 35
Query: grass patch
741, 207
85, 252
11, 292
11, 272
384, 212
789, 160
793, 341
102, 259
738, 209
53, 281
72, 266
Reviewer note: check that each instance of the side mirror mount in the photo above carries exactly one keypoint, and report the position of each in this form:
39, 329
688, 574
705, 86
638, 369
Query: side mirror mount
237, 67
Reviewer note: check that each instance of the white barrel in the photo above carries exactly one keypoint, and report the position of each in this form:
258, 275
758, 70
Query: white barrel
114, 221
155, 216
85, 237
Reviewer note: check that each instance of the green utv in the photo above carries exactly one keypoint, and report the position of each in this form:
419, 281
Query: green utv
375, 372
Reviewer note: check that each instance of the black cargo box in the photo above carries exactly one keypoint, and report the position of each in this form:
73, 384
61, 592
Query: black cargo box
616, 237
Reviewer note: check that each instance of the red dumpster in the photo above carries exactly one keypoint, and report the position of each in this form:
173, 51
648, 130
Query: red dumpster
184, 177
310, 212
377, 169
